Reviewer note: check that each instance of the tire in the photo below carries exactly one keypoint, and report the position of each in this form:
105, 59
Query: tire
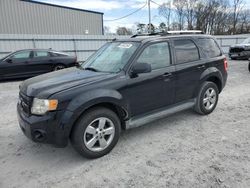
59, 67
207, 98
88, 137
249, 66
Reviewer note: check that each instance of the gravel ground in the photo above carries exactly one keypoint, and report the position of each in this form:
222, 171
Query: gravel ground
183, 150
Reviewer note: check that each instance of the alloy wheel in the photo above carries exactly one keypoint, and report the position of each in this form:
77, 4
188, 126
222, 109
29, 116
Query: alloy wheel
209, 99
99, 134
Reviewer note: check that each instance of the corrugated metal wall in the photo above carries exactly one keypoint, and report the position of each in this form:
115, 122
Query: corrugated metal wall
81, 45
22, 17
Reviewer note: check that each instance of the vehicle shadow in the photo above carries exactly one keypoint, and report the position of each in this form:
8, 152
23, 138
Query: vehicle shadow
44, 152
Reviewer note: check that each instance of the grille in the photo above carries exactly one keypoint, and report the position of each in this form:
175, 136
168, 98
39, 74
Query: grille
25, 103
236, 50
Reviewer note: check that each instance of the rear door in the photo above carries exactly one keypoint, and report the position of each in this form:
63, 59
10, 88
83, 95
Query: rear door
189, 66
41, 61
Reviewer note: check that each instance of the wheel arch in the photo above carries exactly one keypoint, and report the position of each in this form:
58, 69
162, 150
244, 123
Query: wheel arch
109, 99
211, 74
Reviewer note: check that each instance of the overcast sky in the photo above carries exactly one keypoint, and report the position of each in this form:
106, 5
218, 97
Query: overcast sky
113, 9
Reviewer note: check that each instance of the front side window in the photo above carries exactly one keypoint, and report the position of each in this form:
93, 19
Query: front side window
112, 57
157, 55
210, 47
41, 54
21, 55
186, 51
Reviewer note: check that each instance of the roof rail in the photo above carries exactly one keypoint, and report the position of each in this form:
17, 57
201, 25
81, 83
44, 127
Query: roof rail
147, 34
181, 32
185, 32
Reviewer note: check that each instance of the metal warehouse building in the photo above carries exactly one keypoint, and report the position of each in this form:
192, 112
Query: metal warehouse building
31, 17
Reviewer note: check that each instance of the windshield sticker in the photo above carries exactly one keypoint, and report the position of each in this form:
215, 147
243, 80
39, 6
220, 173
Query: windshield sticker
125, 45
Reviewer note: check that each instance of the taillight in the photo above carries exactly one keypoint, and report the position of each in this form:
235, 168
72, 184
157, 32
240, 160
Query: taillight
225, 64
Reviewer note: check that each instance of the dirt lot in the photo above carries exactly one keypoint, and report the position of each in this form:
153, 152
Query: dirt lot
184, 150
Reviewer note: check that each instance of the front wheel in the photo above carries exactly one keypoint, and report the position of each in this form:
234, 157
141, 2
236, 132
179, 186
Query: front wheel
96, 133
207, 98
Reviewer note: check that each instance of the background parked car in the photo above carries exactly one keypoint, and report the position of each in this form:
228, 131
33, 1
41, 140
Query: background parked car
240, 51
32, 62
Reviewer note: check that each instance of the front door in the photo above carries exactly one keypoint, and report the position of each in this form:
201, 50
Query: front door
17, 64
154, 90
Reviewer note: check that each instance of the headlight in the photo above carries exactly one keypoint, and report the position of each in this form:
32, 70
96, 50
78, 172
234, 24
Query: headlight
41, 106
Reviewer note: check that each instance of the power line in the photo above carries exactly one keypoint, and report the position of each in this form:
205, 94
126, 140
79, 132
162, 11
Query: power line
155, 3
127, 14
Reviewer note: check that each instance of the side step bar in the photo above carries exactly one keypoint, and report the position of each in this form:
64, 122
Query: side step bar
144, 119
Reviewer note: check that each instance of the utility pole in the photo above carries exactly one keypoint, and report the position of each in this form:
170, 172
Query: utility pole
149, 17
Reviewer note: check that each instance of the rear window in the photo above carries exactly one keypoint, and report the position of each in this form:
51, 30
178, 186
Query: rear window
186, 51
210, 47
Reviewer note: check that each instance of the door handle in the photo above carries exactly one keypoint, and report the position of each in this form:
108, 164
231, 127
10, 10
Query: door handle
167, 74
201, 67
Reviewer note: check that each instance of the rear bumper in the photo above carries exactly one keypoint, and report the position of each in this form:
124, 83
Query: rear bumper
42, 129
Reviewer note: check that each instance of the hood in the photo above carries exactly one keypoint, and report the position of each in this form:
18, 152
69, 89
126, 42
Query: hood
51, 83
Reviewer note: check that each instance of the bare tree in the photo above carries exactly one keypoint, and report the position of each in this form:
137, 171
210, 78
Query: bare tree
165, 10
237, 7
123, 31
180, 11
190, 13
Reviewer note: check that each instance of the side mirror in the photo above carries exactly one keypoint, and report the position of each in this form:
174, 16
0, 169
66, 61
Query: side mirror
139, 68
9, 60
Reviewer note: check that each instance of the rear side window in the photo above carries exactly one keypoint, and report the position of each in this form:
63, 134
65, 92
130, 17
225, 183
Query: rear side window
157, 55
210, 47
41, 54
55, 54
186, 51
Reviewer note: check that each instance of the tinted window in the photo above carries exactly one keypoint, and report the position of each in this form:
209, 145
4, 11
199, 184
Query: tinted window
21, 55
55, 54
210, 47
41, 54
156, 54
186, 51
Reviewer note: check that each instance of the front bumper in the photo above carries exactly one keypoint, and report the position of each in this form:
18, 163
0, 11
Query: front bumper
43, 129
240, 55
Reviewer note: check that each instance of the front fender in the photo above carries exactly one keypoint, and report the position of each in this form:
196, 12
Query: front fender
84, 101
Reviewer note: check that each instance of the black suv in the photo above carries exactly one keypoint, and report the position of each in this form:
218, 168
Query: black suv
126, 83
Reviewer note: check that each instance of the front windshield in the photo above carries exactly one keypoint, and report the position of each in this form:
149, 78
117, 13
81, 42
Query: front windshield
246, 41
112, 57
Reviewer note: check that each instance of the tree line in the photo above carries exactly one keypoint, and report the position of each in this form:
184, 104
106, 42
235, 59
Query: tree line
215, 17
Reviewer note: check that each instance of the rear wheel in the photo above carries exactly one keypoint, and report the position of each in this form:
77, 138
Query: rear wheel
59, 67
207, 98
96, 133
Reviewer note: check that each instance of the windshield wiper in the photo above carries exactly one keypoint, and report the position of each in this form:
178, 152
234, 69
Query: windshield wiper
91, 69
